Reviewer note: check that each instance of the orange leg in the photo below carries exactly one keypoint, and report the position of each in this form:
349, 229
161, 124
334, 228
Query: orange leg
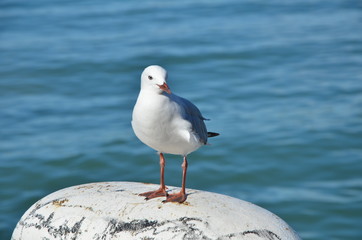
161, 192
181, 196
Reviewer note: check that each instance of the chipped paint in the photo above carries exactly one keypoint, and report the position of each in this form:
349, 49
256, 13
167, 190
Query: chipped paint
59, 203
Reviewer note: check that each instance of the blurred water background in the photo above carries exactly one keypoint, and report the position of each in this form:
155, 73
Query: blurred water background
280, 80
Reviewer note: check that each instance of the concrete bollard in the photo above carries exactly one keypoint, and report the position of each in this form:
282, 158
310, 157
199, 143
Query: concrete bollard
113, 210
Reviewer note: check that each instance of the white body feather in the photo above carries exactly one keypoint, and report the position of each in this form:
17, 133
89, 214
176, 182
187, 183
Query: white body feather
168, 123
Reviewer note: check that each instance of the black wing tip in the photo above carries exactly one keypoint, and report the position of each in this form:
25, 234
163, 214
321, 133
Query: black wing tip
212, 134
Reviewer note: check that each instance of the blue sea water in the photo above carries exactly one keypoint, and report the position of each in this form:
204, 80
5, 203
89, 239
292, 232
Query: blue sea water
280, 80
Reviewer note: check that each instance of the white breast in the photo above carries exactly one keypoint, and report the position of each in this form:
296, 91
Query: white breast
157, 122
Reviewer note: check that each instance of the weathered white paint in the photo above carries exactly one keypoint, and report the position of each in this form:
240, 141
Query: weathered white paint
113, 210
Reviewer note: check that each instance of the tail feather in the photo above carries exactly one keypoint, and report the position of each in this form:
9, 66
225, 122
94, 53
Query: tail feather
212, 134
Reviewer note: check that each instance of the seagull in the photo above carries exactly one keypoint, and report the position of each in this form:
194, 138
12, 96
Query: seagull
169, 124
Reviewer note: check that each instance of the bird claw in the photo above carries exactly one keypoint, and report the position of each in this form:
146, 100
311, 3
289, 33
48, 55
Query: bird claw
154, 194
176, 197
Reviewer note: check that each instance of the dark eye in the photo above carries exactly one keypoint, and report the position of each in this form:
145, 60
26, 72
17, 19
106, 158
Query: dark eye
150, 77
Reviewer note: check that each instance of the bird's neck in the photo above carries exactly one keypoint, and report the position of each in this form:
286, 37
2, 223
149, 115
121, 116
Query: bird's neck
152, 99
152, 94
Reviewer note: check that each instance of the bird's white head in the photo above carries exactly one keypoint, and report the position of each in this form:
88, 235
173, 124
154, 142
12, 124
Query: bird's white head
154, 78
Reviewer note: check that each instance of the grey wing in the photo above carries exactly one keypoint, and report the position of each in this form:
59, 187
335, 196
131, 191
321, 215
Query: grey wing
192, 114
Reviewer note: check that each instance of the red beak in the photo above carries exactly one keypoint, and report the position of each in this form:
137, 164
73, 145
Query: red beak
164, 87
